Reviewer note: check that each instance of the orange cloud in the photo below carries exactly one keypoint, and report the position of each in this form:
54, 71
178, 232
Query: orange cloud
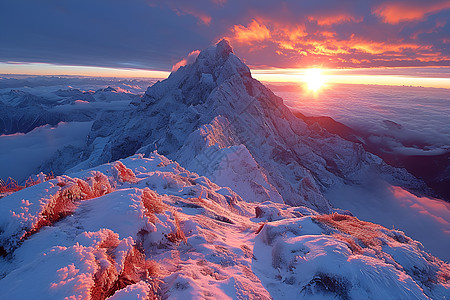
204, 18
287, 37
380, 47
395, 13
300, 46
179, 64
253, 32
290, 33
188, 60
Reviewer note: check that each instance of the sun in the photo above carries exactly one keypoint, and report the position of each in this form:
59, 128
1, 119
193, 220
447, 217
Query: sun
314, 79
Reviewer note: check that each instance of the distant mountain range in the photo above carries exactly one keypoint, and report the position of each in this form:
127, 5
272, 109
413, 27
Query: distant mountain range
21, 112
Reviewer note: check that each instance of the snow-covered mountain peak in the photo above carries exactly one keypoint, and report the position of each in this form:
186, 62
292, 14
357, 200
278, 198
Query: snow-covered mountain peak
107, 89
216, 54
220, 62
16, 93
213, 66
223, 48
18, 98
211, 112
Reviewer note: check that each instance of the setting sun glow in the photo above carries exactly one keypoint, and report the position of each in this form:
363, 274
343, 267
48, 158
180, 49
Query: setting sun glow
314, 79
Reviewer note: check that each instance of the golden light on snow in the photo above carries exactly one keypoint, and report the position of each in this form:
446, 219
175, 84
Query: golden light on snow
314, 79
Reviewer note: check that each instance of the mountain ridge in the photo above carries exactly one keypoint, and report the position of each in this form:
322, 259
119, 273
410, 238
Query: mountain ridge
218, 90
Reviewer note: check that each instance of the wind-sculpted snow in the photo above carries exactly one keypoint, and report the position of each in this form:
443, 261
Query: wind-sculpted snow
339, 257
213, 117
146, 228
94, 267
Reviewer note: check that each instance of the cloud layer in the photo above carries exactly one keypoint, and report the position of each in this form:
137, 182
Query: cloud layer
402, 120
156, 34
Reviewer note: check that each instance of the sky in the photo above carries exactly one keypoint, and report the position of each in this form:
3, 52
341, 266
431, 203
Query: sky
267, 35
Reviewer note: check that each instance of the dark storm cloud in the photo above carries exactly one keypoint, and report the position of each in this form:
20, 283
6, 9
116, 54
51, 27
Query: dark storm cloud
158, 34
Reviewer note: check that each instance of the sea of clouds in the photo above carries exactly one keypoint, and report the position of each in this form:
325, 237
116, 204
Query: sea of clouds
407, 120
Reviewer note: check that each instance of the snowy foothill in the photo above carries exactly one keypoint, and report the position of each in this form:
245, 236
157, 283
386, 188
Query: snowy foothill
146, 227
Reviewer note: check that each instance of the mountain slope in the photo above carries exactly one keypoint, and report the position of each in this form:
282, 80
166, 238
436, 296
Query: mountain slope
207, 111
